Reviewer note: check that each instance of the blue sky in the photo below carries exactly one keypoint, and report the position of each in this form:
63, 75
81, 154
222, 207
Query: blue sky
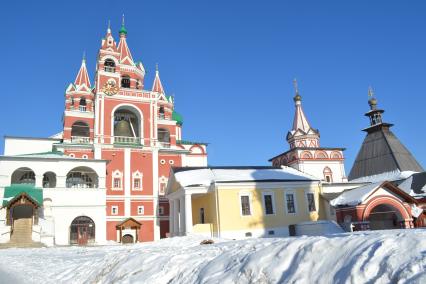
230, 65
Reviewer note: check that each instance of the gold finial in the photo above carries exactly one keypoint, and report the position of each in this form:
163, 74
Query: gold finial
297, 97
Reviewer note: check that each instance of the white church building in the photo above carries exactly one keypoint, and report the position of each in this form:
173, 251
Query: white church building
48, 197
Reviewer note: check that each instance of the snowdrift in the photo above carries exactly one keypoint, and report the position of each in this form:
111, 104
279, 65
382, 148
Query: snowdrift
397, 256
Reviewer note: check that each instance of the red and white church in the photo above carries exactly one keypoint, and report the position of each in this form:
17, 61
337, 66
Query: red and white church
110, 163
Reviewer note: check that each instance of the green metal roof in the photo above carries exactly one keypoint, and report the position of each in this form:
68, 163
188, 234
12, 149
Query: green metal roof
177, 117
14, 190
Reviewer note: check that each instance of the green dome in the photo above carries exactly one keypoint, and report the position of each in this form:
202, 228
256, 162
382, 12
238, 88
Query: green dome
123, 30
177, 117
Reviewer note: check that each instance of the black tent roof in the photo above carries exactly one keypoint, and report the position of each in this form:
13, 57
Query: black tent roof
382, 152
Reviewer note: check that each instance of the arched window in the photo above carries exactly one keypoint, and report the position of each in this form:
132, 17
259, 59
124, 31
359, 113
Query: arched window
163, 136
82, 177
80, 132
117, 180
23, 176
126, 126
125, 81
83, 105
109, 65
49, 180
328, 174
161, 112
137, 181
82, 231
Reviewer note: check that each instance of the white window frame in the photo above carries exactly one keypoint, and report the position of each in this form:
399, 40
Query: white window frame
117, 174
294, 200
241, 205
141, 210
162, 180
114, 207
137, 175
274, 209
307, 202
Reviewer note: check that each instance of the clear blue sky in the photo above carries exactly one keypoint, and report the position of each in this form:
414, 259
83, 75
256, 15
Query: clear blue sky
230, 65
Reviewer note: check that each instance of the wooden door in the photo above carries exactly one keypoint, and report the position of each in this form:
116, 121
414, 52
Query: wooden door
83, 235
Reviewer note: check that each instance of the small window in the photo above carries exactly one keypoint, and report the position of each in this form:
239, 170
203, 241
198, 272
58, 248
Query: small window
114, 210
245, 205
117, 182
161, 210
83, 104
161, 113
137, 183
291, 206
141, 210
72, 155
162, 162
109, 65
171, 162
248, 234
268, 204
271, 233
311, 202
85, 156
125, 82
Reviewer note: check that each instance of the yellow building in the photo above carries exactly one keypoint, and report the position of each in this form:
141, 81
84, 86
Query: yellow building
239, 202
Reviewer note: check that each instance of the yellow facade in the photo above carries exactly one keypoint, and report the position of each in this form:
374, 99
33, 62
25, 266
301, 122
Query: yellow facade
228, 217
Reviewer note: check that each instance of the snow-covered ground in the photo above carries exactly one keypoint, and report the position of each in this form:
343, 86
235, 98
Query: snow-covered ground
397, 256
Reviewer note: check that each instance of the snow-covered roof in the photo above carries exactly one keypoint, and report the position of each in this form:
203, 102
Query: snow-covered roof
415, 185
388, 176
355, 196
206, 176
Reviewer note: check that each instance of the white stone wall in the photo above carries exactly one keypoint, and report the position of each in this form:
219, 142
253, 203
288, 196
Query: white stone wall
19, 146
61, 205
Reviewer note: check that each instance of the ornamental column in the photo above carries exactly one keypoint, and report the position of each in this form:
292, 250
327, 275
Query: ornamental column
171, 218
182, 214
175, 217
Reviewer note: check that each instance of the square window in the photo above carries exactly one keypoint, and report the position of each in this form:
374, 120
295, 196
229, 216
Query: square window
311, 202
141, 210
114, 210
268, 204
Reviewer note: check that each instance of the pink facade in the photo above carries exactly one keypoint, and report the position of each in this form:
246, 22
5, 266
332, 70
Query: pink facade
136, 130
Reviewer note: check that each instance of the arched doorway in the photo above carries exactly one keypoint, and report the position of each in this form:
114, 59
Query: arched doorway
385, 217
127, 239
82, 231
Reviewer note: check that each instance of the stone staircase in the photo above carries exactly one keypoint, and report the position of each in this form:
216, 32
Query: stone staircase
22, 235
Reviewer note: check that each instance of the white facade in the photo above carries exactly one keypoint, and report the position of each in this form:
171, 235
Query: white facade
63, 202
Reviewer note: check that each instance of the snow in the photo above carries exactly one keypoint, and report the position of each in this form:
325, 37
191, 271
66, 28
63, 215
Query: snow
355, 196
207, 176
387, 176
393, 256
